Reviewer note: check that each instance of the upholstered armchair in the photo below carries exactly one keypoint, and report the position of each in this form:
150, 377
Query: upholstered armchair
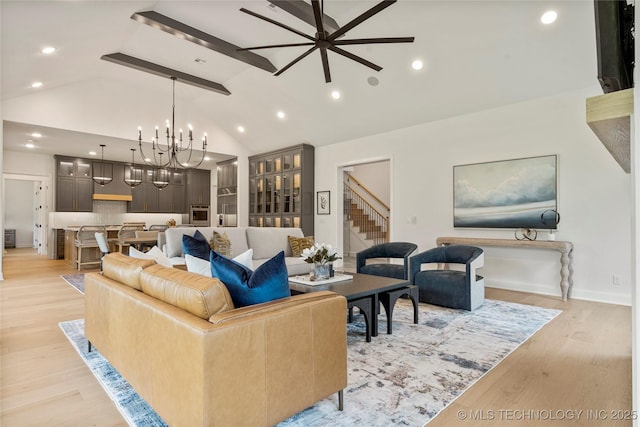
400, 250
450, 288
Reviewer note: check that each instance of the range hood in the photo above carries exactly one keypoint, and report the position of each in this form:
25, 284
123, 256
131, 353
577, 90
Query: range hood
116, 190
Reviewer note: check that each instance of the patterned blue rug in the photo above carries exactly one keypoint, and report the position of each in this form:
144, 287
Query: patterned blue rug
75, 280
405, 378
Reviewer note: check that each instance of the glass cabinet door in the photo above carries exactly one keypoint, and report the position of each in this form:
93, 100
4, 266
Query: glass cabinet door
66, 168
83, 169
295, 193
260, 195
253, 190
268, 194
277, 193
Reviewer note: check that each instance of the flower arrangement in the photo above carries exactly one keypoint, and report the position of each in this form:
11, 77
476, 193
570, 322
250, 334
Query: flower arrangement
320, 253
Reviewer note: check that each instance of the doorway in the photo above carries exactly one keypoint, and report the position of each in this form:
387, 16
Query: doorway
25, 212
366, 206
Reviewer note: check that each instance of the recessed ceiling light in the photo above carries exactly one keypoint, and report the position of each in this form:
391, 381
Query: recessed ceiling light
336, 94
36, 135
36, 85
417, 64
549, 17
30, 145
48, 50
92, 153
241, 129
280, 115
373, 81
207, 158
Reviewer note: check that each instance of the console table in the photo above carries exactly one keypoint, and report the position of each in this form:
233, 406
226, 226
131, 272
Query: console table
565, 249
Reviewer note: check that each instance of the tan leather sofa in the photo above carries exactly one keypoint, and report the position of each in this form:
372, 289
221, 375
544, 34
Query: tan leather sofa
197, 361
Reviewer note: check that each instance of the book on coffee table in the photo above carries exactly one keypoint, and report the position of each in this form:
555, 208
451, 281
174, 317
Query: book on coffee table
306, 279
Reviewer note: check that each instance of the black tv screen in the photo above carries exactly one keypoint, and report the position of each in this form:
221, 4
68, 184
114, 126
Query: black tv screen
518, 193
614, 44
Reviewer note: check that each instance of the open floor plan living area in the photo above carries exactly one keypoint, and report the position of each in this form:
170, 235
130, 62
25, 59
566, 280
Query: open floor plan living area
319, 213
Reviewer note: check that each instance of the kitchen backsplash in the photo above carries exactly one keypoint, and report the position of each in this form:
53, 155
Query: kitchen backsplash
110, 213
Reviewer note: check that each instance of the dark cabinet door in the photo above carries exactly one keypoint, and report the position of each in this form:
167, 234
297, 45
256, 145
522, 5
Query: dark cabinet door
84, 194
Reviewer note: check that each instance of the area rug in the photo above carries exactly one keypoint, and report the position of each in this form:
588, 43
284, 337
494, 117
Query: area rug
405, 378
75, 280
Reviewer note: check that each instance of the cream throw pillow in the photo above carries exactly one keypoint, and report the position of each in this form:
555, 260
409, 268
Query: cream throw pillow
298, 244
154, 253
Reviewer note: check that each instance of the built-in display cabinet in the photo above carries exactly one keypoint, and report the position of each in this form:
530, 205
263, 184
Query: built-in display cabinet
281, 188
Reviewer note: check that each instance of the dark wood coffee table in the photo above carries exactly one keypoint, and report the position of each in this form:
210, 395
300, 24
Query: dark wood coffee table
362, 291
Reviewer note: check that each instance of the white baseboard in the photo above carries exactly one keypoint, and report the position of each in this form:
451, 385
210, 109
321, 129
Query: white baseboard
555, 291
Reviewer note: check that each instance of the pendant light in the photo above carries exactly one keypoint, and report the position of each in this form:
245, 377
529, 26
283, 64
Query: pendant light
160, 176
102, 172
133, 175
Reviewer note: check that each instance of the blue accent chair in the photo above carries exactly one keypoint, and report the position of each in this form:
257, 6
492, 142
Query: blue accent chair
450, 288
386, 250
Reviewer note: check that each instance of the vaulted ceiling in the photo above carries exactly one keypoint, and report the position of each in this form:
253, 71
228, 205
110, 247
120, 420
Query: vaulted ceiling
477, 54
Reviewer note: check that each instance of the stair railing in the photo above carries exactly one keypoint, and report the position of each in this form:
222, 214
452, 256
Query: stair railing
359, 207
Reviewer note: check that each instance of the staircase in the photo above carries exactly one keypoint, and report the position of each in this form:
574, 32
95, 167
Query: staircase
366, 225
368, 216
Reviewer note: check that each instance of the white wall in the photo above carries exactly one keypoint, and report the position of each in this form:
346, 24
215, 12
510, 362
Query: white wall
19, 212
593, 191
375, 176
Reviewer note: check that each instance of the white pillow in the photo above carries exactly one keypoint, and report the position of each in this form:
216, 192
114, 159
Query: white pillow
154, 253
198, 265
245, 258
203, 267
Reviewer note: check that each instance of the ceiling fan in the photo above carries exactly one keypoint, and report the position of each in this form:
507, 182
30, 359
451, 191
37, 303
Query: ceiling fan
323, 40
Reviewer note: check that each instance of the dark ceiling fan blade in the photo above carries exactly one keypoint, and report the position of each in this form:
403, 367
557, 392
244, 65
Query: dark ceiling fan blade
354, 57
295, 61
317, 15
360, 19
286, 27
375, 40
277, 45
301, 10
325, 65
184, 31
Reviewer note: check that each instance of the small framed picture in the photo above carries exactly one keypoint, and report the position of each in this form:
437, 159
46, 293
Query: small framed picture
323, 205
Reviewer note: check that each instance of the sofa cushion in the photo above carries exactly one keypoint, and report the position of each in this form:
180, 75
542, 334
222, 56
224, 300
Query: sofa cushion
199, 295
197, 245
298, 244
220, 243
268, 282
267, 241
124, 269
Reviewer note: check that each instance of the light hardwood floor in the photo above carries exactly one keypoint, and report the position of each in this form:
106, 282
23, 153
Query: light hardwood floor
579, 361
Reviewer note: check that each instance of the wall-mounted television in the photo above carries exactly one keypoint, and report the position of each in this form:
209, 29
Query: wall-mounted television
517, 193
614, 44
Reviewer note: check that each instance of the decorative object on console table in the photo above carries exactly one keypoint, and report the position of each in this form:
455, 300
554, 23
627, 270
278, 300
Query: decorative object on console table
324, 203
322, 256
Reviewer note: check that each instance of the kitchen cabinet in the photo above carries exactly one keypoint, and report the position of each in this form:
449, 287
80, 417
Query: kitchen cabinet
227, 197
74, 186
198, 187
281, 188
147, 198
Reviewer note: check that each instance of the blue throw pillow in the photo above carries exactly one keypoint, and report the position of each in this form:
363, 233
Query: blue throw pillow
196, 246
268, 282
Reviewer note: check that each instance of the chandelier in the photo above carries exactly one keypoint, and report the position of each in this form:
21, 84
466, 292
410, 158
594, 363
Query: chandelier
178, 151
